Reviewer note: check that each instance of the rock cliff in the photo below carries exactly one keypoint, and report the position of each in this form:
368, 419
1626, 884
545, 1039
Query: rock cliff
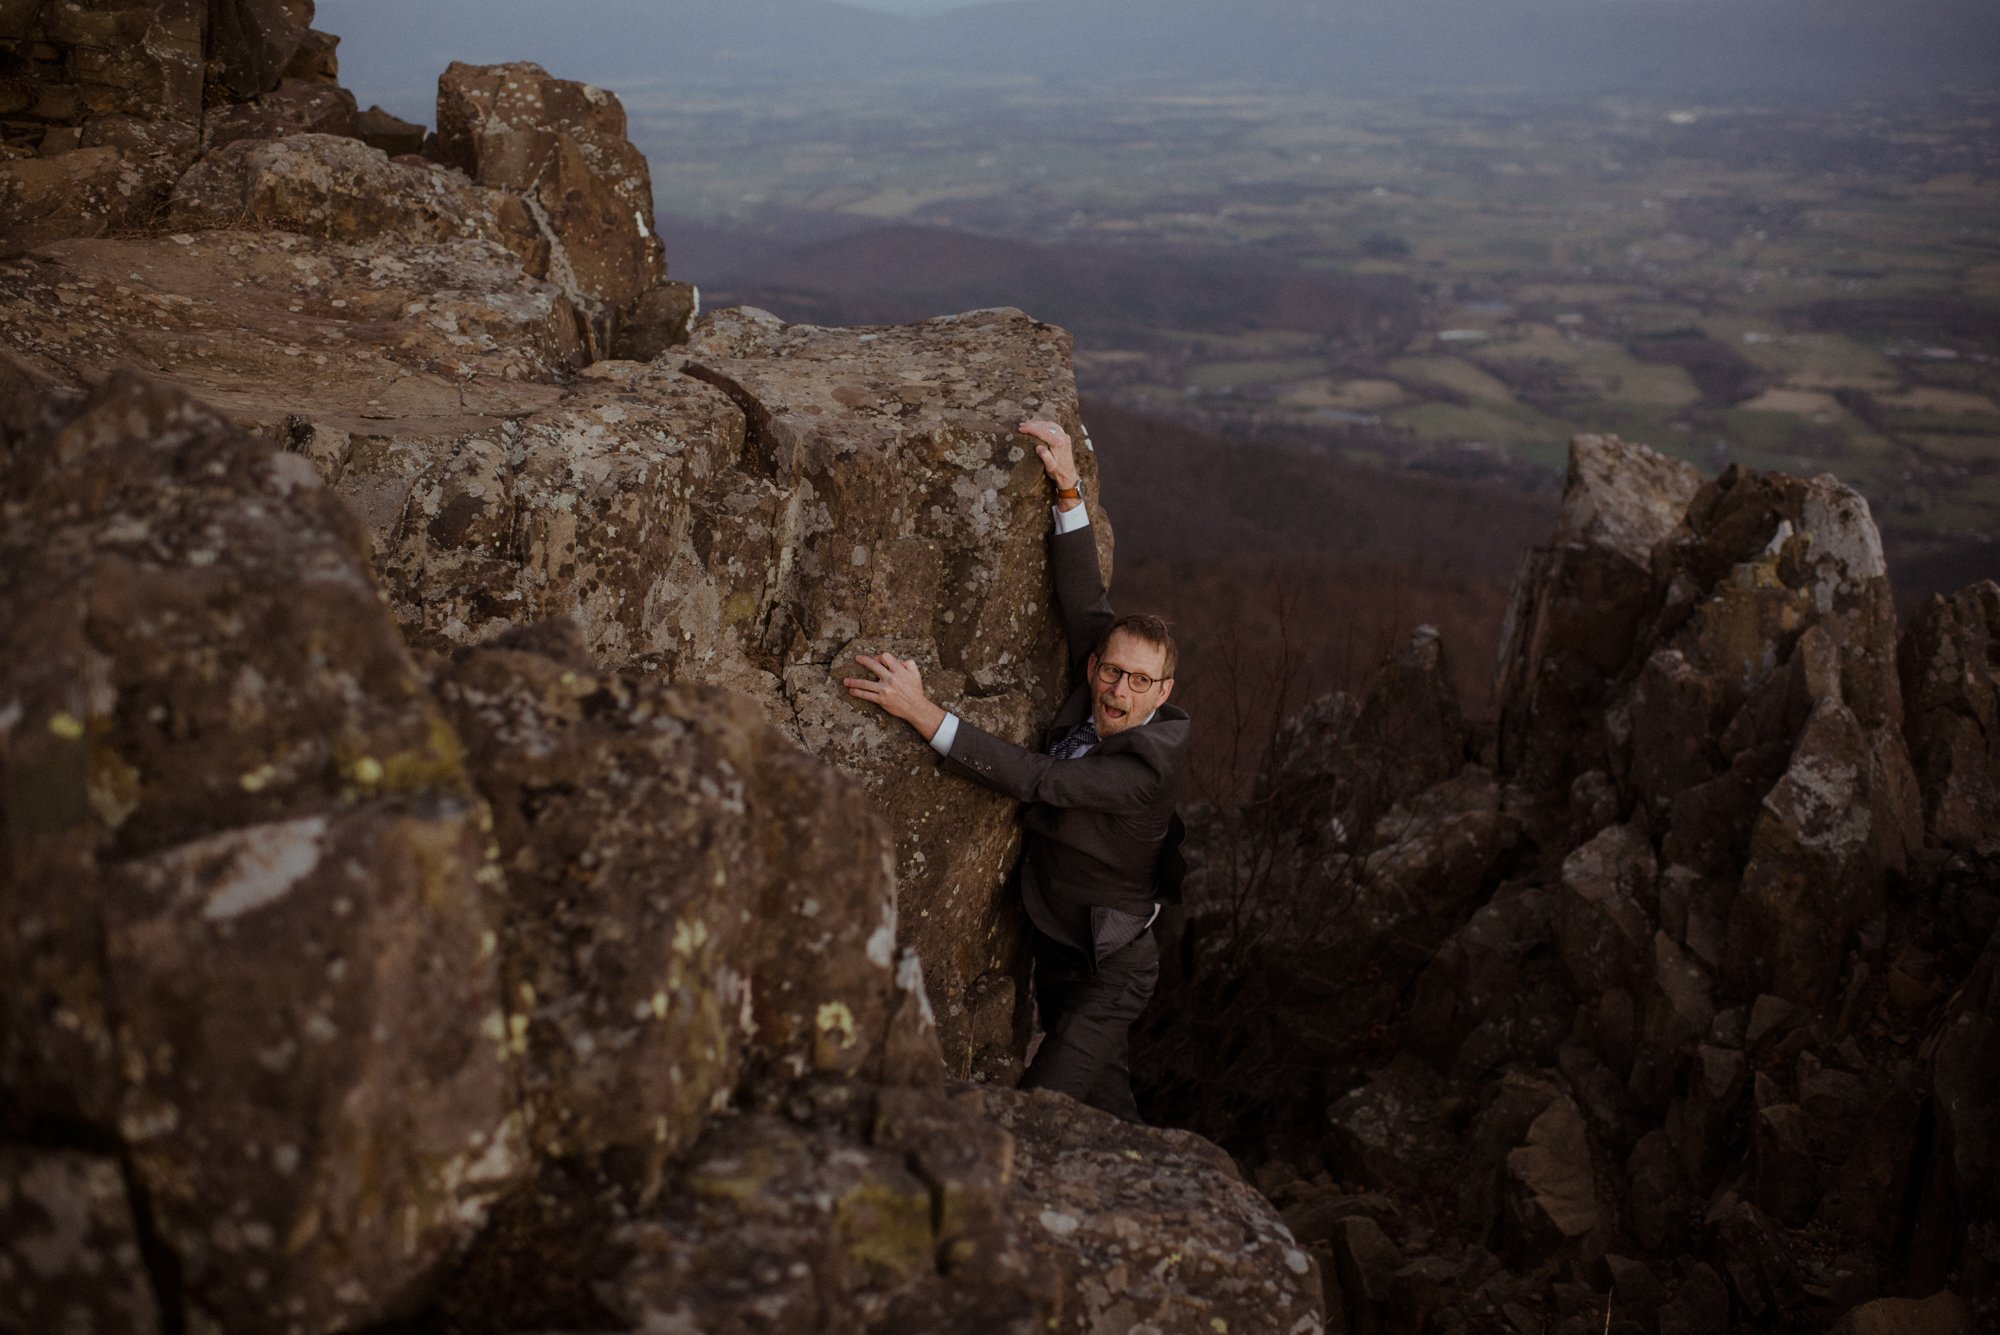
443, 880
1663, 1003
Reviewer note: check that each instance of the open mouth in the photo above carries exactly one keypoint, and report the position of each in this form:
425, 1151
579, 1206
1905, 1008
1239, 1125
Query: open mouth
1112, 713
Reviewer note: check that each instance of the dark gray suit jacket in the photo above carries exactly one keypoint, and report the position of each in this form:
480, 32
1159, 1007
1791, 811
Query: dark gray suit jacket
1098, 825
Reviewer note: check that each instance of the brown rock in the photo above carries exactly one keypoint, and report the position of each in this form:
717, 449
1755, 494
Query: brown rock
251, 42
1578, 605
392, 134
69, 1249
692, 901
1603, 929
1940, 1314
1699, 1307
295, 106
1490, 995
563, 146
339, 189
1392, 1131
774, 1224
317, 60
1675, 1011
74, 69
346, 1106
240, 766
1950, 668
1552, 1196
86, 192
418, 342
1367, 1264
661, 318
1831, 829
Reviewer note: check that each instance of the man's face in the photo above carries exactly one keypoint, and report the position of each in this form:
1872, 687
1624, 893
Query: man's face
1117, 707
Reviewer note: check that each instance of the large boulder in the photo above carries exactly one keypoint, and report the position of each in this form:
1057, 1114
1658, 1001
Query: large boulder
234, 763
340, 189
562, 146
632, 815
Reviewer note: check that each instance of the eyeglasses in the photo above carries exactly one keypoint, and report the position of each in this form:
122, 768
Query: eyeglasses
1109, 673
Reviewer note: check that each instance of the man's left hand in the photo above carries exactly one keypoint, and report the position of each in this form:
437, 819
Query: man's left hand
898, 687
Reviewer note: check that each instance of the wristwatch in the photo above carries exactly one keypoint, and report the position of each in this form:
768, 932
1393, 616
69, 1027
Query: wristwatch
1073, 492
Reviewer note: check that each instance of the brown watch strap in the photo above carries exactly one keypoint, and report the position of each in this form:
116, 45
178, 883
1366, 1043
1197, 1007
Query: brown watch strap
1074, 492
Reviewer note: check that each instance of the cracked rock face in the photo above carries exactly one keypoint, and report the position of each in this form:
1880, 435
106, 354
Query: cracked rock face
693, 905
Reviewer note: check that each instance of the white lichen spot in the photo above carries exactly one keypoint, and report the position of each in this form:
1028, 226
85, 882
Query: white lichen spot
1058, 1223
257, 779
689, 936
263, 864
1296, 1261
882, 946
285, 1158
517, 1035
910, 978
489, 943
367, 771
659, 1005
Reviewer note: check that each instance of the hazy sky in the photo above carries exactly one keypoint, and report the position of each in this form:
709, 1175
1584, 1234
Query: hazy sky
1721, 50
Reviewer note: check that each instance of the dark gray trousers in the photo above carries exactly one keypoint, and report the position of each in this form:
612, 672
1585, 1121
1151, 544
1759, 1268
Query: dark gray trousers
1087, 1019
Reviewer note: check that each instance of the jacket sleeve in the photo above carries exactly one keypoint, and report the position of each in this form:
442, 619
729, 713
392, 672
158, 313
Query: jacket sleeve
1125, 781
1080, 598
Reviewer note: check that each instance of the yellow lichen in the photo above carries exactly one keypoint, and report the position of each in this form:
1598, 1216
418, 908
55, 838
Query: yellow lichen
66, 726
886, 1228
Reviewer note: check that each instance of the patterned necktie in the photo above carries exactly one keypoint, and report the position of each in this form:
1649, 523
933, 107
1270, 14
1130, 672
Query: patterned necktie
1076, 741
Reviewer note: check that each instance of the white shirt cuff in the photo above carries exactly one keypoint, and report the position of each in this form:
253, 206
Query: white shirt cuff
1069, 521
947, 732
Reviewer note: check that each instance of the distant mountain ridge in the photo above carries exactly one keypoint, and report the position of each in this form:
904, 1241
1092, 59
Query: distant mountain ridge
1773, 50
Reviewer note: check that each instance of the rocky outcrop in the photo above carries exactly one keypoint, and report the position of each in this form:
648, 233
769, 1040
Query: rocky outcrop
510, 987
740, 511
416, 909
104, 105
1708, 1038
561, 147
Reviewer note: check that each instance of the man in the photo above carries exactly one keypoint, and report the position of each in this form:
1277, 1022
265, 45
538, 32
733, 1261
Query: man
1102, 847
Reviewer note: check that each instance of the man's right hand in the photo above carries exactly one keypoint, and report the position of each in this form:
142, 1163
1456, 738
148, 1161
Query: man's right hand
1057, 455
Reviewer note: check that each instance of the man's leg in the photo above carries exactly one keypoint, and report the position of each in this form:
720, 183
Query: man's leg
1086, 1020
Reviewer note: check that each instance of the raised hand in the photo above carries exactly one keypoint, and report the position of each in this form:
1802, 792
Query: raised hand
1053, 446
